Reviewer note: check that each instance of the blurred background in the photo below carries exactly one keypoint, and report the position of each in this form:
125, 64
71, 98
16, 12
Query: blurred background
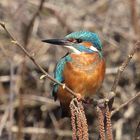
27, 110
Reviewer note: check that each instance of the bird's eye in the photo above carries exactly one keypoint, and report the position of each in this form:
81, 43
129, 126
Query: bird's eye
75, 40
79, 40
71, 40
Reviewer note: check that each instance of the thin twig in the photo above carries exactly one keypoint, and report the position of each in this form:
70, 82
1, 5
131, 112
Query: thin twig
20, 114
112, 94
11, 97
23, 68
30, 26
57, 13
126, 103
4, 119
40, 99
124, 65
134, 16
11, 104
35, 130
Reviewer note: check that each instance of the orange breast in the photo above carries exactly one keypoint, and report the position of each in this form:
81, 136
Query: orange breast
83, 75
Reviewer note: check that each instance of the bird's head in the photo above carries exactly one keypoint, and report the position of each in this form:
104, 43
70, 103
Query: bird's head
77, 42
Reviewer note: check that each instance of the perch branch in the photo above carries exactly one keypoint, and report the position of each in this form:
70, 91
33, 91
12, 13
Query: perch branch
126, 103
34, 61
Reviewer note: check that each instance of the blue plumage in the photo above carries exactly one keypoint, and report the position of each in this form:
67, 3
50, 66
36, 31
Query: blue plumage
58, 73
87, 36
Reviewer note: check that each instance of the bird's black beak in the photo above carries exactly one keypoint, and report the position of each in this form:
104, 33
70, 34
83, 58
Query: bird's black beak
57, 41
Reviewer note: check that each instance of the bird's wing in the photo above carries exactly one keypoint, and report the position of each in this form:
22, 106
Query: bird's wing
58, 73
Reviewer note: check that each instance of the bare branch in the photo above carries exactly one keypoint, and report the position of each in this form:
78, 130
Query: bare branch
34, 130
124, 65
126, 103
30, 26
34, 61
56, 12
112, 94
134, 16
4, 119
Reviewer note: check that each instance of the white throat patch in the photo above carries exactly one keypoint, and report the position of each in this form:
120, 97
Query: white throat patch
73, 49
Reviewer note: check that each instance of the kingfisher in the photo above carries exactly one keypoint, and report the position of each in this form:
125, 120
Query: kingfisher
82, 69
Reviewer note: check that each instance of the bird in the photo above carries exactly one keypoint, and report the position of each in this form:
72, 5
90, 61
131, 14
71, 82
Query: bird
82, 69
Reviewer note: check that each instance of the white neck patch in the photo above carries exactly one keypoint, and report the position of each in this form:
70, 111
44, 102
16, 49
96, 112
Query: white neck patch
78, 52
94, 49
73, 49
